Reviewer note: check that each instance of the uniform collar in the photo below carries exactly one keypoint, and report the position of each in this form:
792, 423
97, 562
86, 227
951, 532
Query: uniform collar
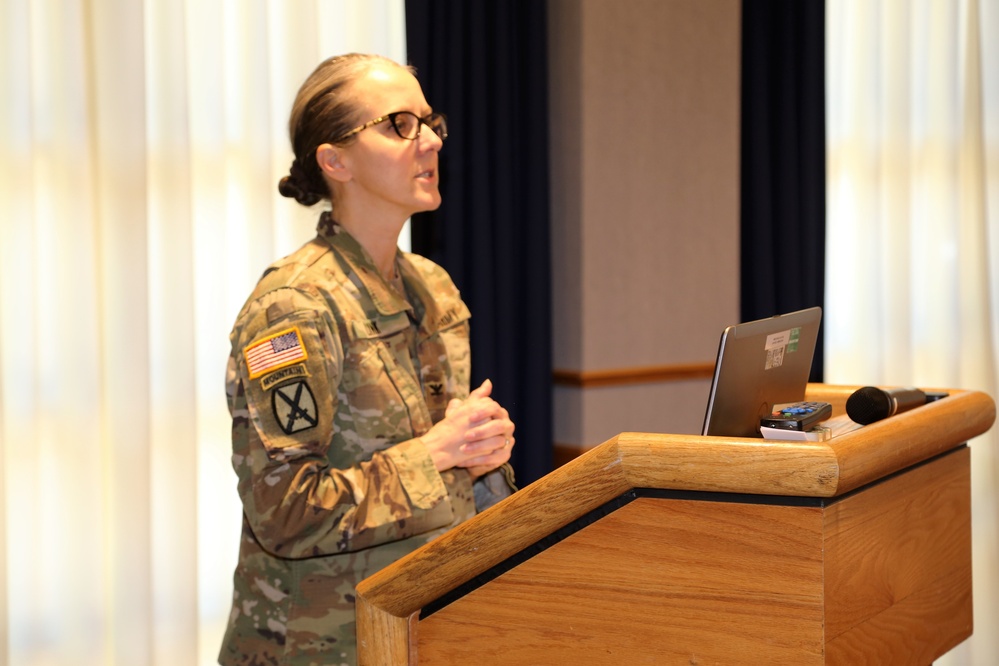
432, 311
359, 263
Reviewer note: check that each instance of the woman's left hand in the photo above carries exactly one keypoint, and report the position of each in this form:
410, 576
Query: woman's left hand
490, 441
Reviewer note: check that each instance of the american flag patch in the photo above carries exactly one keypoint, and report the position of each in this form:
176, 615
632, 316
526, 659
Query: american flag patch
276, 351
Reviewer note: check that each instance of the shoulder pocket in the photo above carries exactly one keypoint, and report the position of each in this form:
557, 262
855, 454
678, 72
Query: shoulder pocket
290, 387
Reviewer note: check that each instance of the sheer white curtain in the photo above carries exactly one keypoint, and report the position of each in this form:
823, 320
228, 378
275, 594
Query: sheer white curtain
913, 225
142, 141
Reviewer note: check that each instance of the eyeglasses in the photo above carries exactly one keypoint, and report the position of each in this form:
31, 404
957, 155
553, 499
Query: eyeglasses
406, 124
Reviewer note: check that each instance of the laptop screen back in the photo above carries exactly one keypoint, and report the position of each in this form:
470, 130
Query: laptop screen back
760, 364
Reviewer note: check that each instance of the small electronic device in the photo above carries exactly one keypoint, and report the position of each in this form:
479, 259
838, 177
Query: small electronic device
799, 416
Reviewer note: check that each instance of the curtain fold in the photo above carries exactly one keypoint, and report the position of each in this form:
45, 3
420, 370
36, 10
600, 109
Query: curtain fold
484, 65
913, 222
782, 198
140, 148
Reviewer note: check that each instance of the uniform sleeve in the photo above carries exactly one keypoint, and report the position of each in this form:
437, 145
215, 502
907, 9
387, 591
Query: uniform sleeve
492, 487
282, 380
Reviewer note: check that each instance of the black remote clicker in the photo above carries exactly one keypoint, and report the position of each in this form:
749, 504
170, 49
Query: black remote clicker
798, 416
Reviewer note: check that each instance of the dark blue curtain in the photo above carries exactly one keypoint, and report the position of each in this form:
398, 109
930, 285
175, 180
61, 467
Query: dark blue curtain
483, 64
783, 159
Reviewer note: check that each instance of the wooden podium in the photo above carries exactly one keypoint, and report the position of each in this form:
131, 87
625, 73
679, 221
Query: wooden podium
680, 549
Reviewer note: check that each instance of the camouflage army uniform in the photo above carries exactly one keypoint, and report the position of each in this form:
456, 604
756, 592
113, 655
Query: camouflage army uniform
332, 377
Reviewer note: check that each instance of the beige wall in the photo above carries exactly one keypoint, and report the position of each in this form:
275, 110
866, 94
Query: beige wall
645, 204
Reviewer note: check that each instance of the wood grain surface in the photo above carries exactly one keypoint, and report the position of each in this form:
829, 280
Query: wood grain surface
653, 582
672, 462
898, 566
630, 376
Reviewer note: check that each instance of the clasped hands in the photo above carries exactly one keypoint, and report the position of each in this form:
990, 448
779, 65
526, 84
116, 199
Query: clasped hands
475, 433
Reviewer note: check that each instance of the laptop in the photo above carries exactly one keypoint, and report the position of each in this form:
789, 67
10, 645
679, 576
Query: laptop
760, 364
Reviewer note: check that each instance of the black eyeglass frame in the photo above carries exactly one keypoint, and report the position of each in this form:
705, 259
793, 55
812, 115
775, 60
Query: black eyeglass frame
429, 120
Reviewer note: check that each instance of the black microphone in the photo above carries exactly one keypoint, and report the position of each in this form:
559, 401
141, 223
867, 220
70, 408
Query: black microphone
869, 404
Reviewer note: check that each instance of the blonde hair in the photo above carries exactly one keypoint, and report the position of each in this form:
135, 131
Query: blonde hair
323, 110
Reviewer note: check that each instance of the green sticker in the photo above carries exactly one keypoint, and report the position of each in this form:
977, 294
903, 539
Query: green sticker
792, 343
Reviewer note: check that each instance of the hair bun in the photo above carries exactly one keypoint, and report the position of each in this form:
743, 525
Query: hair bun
295, 186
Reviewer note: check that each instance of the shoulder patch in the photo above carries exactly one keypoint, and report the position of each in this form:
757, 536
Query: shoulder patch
295, 407
272, 379
276, 351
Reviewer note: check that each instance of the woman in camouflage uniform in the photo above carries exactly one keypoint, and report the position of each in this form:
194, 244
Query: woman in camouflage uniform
355, 436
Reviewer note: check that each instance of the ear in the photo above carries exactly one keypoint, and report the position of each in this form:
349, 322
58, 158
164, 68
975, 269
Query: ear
333, 163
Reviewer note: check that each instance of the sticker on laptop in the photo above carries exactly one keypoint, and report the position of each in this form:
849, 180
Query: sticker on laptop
775, 340
775, 358
792, 343
777, 343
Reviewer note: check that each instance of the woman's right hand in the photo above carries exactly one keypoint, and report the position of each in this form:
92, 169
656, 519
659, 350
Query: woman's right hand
470, 430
